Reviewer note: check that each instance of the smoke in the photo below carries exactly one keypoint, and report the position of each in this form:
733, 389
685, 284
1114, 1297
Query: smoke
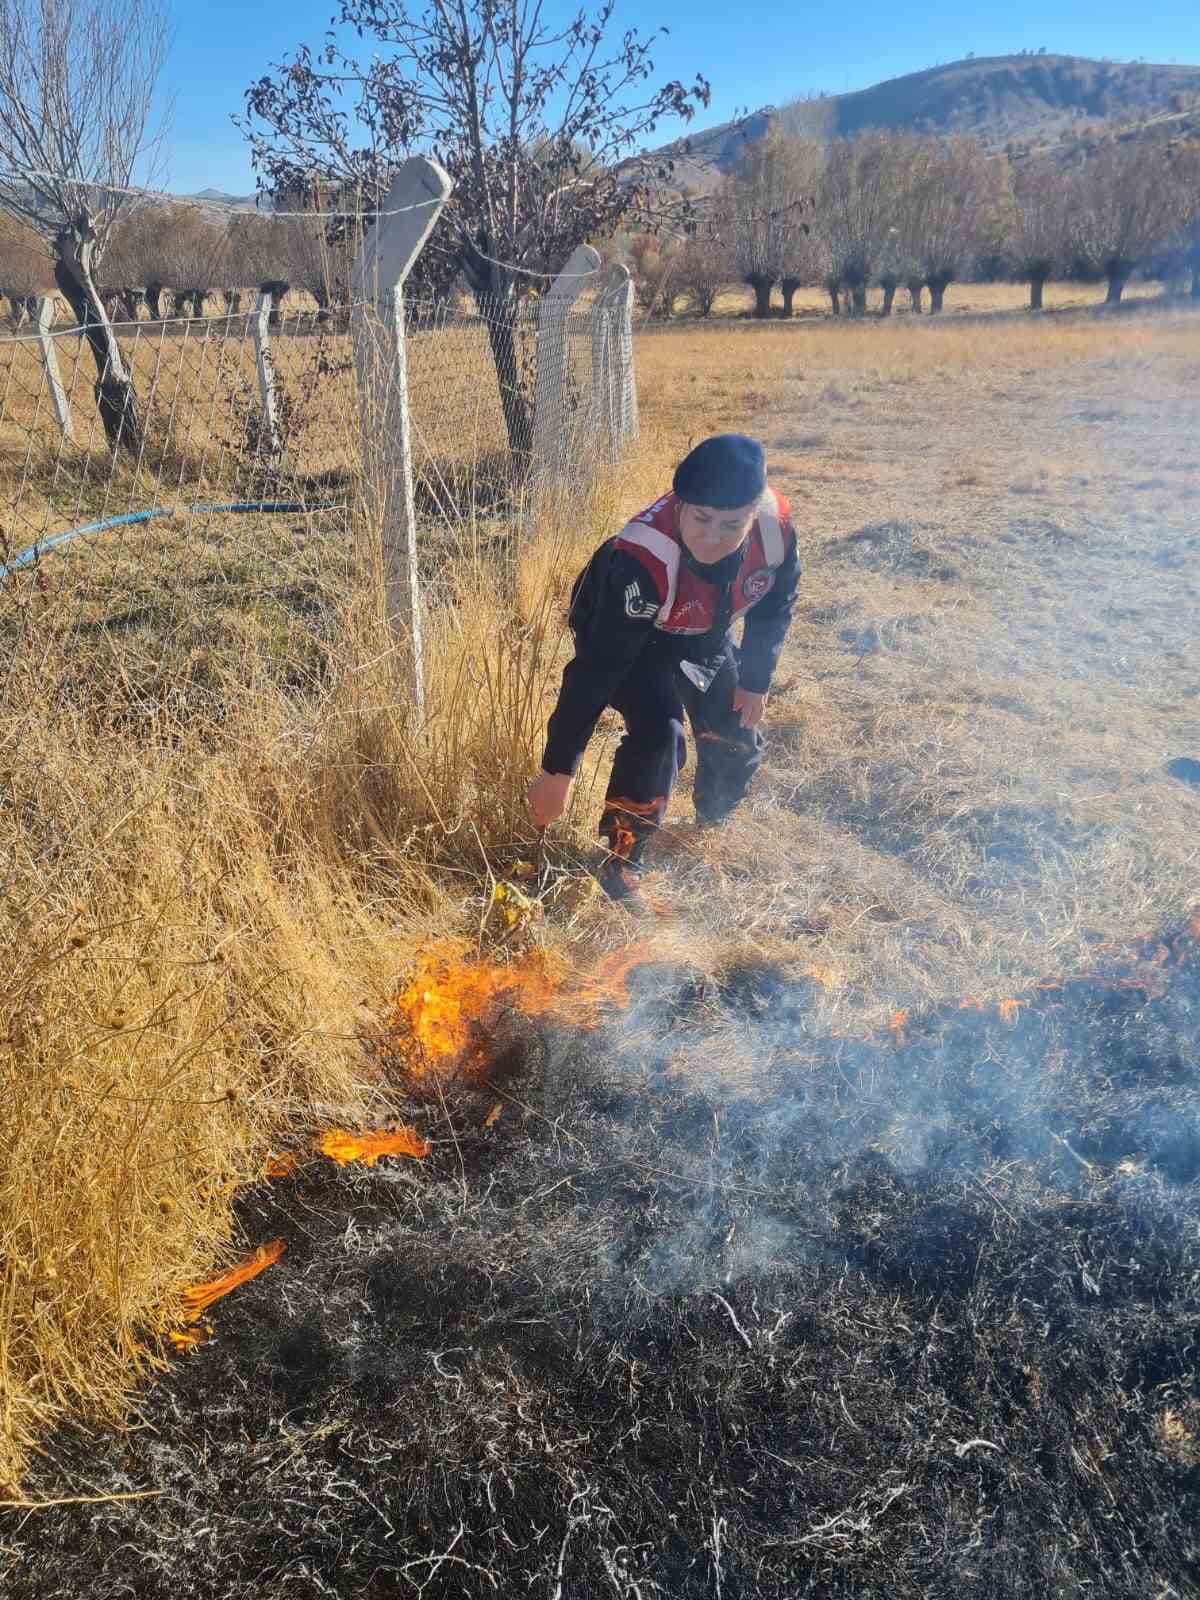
752, 1121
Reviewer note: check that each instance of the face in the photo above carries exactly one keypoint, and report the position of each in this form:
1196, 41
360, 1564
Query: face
711, 535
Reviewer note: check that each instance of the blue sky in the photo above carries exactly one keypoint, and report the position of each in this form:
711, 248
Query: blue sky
220, 47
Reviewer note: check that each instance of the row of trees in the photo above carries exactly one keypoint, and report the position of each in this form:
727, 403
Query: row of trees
172, 258
894, 209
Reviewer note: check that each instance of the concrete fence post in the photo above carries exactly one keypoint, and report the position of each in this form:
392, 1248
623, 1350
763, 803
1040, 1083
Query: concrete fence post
58, 394
608, 375
624, 375
414, 202
260, 325
551, 422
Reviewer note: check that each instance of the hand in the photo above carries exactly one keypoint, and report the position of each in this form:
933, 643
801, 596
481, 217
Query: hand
546, 797
749, 707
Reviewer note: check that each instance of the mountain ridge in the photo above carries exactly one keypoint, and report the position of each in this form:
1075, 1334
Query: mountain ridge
1015, 99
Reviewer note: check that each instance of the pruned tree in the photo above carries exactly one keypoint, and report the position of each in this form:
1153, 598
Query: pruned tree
856, 205
1036, 224
1124, 202
260, 254
654, 263
953, 196
532, 118
164, 247
1177, 259
77, 82
898, 259
766, 209
705, 267
25, 271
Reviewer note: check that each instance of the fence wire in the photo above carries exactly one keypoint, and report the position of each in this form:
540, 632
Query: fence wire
264, 414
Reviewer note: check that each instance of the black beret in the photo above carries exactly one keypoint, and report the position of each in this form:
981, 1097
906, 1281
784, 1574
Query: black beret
724, 472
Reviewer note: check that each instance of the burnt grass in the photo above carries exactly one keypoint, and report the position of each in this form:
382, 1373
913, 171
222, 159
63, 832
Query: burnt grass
922, 1321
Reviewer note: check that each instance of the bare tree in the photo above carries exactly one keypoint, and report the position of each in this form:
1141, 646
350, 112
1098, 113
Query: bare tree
953, 195
195, 256
25, 271
654, 263
1125, 201
1036, 222
534, 120
856, 205
766, 211
706, 265
163, 247
77, 80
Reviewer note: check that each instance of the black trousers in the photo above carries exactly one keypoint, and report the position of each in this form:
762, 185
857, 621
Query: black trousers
653, 700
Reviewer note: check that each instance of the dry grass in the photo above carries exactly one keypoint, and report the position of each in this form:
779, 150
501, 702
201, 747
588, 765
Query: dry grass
221, 849
990, 662
225, 841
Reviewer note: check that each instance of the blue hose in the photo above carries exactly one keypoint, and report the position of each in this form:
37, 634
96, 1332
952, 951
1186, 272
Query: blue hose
28, 557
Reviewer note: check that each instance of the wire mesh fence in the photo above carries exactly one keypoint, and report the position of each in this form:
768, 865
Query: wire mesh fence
236, 510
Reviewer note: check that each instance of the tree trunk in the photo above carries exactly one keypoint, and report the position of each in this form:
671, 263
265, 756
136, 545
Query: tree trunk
762, 286
130, 298
1196, 280
196, 296
790, 285
889, 295
154, 301
322, 299
1117, 277
937, 292
858, 299
277, 288
116, 399
501, 315
1036, 286
914, 287
233, 302
835, 303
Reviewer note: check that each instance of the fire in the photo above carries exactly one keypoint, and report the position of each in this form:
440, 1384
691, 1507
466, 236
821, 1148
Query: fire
436, 1017
187, 1339
897, 1025
344, 1147
441, 1020
281, 1166
200, 1296
1010, 1010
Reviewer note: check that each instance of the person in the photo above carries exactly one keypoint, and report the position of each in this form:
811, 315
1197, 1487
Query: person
652, 616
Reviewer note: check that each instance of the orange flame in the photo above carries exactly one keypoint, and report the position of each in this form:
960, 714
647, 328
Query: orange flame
344, 1147
281, 1166
200, 1296
897, 1024
439, 1020
1010, 1010
186, 1339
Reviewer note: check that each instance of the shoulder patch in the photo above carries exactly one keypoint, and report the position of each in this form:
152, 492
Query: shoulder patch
641, 610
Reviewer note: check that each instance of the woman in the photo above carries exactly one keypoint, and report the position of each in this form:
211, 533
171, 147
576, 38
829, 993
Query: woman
652, 617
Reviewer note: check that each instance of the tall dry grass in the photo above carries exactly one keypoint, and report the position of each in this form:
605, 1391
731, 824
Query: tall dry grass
202, 907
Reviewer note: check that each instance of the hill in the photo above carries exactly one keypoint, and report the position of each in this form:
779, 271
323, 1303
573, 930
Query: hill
999, 99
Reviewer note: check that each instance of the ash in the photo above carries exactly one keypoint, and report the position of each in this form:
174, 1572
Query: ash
922, 1321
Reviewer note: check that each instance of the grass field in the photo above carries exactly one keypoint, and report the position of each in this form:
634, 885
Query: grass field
225, 842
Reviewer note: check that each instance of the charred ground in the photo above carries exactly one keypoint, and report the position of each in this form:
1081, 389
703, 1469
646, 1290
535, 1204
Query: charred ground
922, 1319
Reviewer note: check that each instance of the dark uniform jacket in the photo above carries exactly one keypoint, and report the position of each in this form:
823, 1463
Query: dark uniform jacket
643, 601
